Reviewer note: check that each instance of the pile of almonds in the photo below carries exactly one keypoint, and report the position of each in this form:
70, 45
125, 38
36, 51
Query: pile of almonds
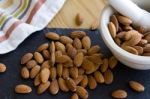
66, 64
135, 40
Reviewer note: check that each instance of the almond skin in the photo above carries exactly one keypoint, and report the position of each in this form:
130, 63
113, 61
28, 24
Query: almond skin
38, 57
26, 58
78, 34
92, 82
34, 71
62, 85
25, 73
119, 94
54, 87
136, 86
43, 87
2, 67
74, 96
65, 40
79, 19
112, 29
44, 75
23, 89
86, 42
82, 92
30, 64
108, 76
43, 47
52, 36
71, 84
78, 59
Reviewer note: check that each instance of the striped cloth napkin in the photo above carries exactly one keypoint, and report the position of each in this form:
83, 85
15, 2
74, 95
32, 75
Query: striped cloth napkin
20, 18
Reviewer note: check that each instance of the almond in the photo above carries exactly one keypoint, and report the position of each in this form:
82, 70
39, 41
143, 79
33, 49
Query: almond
130, 49
65, 40
119, 94
104, 66
82, 92
93, 50
77, 43
147, 37
84, 81
52, 51
60, 47
146, 48
46, 54
86, 42
112, 62
124, 20
84, 51
112, 29
79, 19
43, 87
71, 84
99, 77
38, 57
26, 58
23, 89
30, 64
43, 47
62, 59
52, 36
78, 34
46, 64
73, 71
127, 28
59, 69
37, 80
53, 73
117, 41
139, 49
65, 73
96, 59
136, 86
115, 22
81, 71
54, 87
68, 64
74, 96
78, 79
25, 73
78, 59
44, 75
62, 85
108, 77
71, 51
34, 71
92, 82
2, 67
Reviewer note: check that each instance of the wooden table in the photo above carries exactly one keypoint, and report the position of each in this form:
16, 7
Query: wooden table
90, 10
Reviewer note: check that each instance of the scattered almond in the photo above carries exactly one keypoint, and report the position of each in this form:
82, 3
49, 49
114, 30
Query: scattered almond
25, 73
2, 67
52, 36
119, 94
23, 89
136, 86
92, 82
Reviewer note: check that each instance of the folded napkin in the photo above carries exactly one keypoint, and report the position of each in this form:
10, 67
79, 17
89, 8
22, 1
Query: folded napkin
20, 18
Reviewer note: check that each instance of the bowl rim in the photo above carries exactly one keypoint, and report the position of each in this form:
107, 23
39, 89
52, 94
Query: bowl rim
113, 46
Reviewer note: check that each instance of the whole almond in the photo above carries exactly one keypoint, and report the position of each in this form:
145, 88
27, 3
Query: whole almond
92, 82
99, 77
84, 81
38, 57
139, 49
108, 77
65, 40
52, 52
117, 41
73, 71
46, 54
37, 80
43, 87
79, 19
30, 64
112, 29
136, 86
115, 22
23, 89
34, 71
71, 51
44, 75
124, 20
25, 73
43, 47
71, 84
78, 79
62, 59
86, 42
96, 59
53, 73
84, 51
77, 43
130, 49
82, 92
104, 66
74, 96
93, 50
95, 25
59, 69
52, 36
68, 64
119, 94
62, 85
25, 58
60, 47
112, 62
2, 67
46, 64
127, 28
78, 34
78, 59
65, 73
54, 87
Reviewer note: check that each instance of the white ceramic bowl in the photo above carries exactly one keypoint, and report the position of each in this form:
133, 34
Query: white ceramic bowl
130, 60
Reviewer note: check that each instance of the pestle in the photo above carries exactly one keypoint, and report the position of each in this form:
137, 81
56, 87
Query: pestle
128, 8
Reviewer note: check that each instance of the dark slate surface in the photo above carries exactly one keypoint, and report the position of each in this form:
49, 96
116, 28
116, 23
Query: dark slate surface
122, 74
